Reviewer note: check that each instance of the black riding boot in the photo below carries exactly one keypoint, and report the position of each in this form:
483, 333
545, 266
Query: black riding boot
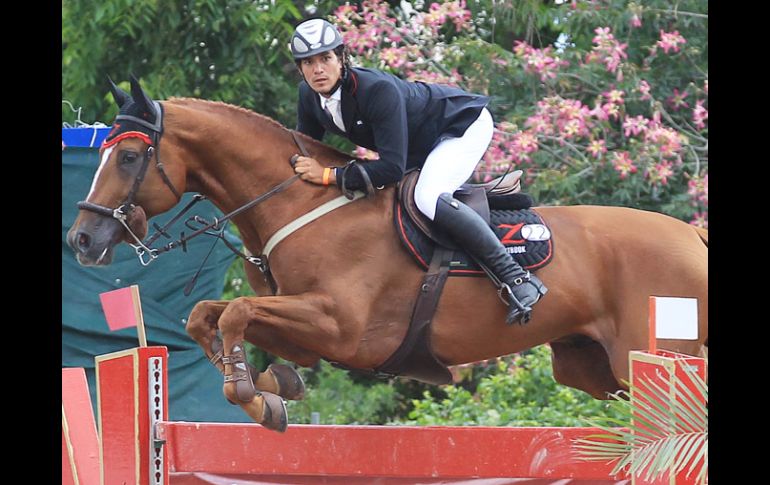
474, 235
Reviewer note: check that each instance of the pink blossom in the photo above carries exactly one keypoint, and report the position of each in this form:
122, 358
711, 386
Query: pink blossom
644, 88
667, 141
599, 113
438, 14
567, 117
571, 128
365, 154
596, 148
454, 78
698, 189
706, 86
394, 57
635, 22
614, 96
660, 172
538, 61
634, 126
700, 219
700, 115
539, 124
611, 110
677, 100
670, 40
603, 35
525, 142
607, 49
623, 164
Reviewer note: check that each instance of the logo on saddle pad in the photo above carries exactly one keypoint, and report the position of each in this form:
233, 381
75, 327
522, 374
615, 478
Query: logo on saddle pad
526, 232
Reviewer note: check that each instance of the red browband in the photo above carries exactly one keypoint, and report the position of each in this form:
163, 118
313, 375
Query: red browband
128, 134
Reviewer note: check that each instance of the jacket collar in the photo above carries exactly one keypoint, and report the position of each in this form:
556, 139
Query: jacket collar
349, 104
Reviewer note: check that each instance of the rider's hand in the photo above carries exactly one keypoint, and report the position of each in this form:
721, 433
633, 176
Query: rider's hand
312, 171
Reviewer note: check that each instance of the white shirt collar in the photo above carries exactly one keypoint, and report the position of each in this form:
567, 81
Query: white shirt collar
336, 95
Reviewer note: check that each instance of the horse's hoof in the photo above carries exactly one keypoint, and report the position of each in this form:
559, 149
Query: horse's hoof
274, 414
290, 383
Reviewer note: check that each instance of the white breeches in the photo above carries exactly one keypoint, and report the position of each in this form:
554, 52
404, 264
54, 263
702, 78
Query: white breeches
451, 163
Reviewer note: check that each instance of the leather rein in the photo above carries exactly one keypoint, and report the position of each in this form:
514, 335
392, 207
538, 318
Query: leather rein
197, 224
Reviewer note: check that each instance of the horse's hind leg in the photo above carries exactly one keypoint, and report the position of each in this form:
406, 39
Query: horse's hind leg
202, 326
581, 362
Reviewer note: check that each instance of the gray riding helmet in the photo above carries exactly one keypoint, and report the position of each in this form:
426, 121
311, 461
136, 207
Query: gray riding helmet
312, 37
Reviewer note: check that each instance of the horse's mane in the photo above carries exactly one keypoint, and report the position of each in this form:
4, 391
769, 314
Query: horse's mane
259, 121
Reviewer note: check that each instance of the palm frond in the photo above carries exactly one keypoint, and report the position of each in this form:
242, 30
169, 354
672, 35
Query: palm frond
663, 428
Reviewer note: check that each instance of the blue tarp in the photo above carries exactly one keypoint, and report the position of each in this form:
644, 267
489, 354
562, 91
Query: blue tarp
195, 386
91, 137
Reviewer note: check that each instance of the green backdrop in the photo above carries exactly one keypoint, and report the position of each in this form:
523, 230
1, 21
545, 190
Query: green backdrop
195, 386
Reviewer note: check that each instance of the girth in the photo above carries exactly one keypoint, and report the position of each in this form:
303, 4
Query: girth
415, 358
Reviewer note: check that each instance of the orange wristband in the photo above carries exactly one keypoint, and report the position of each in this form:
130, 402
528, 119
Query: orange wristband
327, 173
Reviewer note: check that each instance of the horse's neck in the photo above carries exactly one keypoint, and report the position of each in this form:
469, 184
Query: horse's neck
234, 162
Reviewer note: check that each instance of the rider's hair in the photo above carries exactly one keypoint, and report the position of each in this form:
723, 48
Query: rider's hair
341, 51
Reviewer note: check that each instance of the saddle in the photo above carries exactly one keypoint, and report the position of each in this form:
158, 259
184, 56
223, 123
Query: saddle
473, 195
520, 229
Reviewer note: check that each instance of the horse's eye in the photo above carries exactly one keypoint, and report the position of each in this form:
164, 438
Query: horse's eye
128, 157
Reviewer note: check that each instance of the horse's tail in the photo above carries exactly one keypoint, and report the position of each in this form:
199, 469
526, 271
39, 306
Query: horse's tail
703, 234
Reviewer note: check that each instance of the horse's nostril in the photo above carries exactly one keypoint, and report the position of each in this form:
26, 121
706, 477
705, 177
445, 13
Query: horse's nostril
84, 241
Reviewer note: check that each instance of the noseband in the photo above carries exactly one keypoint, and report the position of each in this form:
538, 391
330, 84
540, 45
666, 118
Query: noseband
122, 212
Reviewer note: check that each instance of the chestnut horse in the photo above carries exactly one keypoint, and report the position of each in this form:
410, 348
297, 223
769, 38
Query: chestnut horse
345, 286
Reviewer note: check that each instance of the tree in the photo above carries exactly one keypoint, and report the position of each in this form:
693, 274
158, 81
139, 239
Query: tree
231, 51
613, 111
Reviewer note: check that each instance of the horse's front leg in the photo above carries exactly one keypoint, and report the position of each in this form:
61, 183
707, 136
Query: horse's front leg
304, 321
202, 326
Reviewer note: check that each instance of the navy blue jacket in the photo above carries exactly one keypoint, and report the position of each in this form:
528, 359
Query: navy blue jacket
401, 120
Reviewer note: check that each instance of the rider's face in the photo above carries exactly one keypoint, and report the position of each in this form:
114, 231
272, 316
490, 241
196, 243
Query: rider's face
321, 71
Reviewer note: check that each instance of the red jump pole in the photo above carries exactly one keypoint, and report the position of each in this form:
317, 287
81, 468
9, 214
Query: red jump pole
79, 441
133, 403
132, 397
371, 452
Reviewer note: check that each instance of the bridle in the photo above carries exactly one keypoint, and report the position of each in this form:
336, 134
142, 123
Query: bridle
196, 223
122, 212
199, 225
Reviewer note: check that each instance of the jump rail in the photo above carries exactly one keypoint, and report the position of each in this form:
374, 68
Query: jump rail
140, 446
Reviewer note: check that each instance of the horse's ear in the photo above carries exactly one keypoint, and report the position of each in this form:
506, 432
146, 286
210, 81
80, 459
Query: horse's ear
118, 94
139, 96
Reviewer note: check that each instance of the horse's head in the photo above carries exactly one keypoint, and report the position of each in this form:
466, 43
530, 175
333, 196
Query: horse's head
126, 190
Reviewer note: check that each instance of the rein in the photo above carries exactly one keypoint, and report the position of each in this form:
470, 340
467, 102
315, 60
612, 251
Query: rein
147, 255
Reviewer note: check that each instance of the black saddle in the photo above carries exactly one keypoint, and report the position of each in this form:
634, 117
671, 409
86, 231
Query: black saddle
499, 202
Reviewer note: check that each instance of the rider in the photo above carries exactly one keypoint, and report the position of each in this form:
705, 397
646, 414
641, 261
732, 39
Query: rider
441, 129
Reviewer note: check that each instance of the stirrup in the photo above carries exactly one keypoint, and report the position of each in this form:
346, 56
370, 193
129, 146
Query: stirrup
505, 287
525, 312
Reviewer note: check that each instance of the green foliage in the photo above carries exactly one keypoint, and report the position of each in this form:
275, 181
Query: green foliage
516, 391
230, 51
340, 400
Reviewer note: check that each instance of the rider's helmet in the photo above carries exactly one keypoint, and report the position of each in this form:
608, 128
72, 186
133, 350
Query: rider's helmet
314, 36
